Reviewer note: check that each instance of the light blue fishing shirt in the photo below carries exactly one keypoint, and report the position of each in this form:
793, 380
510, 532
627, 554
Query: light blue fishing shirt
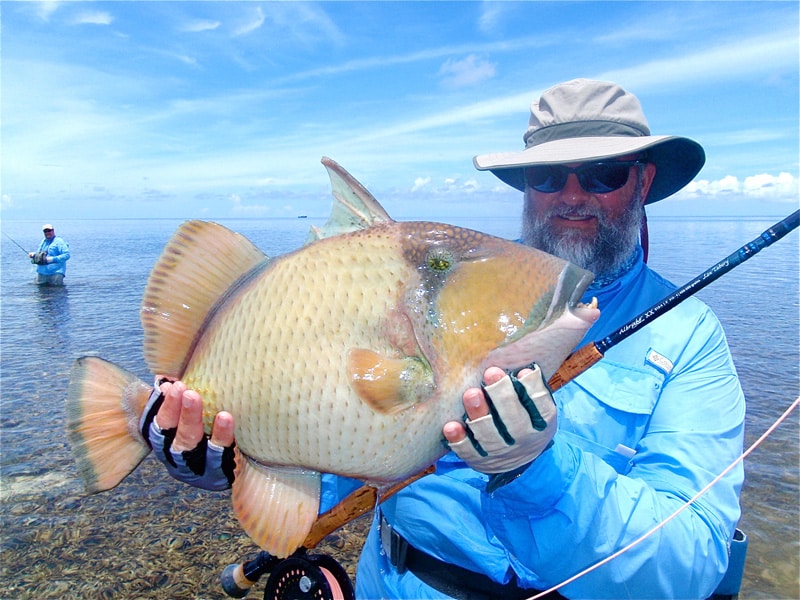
58, 250
639, 434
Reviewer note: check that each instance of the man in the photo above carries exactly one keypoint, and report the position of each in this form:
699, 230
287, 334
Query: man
51, 258
604, 459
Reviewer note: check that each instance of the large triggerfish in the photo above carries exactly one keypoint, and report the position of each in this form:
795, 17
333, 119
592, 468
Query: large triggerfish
345, 356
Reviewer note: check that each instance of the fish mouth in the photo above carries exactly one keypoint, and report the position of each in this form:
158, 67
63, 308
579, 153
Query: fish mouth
572, 283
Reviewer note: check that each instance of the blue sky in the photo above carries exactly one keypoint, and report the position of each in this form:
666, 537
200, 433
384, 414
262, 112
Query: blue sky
224, 109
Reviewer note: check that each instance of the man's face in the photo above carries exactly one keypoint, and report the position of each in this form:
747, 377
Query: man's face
597, 231
49, 233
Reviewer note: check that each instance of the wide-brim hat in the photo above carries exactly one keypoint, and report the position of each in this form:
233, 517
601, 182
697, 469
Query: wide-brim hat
586, 121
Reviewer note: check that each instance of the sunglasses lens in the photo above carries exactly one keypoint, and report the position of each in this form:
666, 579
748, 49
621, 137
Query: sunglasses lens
546, 178
596, 178
602, 178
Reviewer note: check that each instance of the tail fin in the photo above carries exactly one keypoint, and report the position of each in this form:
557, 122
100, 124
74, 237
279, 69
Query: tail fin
103, 407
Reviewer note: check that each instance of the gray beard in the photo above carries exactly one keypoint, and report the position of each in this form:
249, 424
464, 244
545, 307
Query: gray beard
604, 255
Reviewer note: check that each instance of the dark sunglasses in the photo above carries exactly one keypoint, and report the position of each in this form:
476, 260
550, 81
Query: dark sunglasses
47, 230
595, 178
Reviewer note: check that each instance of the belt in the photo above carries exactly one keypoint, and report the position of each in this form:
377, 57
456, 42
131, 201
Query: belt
457, 582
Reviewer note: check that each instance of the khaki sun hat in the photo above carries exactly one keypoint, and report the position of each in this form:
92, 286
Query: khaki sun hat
584, 120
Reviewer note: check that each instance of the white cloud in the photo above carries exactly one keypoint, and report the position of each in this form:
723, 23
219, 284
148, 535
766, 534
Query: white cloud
734, 61
92, 18
45, 9
255, 22
490, 16
466, 72
200, 25
420, 183
782, 187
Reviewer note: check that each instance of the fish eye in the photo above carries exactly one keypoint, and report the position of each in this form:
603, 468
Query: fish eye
439, 260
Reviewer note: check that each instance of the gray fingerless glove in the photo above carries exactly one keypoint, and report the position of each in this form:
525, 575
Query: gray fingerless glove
521, 423
206, 466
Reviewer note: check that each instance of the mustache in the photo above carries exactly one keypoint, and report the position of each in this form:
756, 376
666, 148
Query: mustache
575, 211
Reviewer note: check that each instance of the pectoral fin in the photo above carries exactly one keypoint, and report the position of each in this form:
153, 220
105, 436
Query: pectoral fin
275, 506
388, 385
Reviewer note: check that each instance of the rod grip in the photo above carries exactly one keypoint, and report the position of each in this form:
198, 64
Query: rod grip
575, 364
359, 502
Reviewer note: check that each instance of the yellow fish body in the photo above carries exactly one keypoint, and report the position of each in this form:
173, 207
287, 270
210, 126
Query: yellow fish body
346, 356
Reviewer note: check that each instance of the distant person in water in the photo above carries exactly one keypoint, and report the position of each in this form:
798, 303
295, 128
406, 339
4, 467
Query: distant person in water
51, 258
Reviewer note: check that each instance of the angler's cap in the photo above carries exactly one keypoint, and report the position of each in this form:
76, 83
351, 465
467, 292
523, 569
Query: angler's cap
584, 120
47, 226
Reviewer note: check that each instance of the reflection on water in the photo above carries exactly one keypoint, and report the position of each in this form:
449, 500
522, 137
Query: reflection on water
152, 537
54, 319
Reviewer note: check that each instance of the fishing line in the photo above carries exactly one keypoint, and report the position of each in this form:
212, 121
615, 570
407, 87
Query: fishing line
711, 484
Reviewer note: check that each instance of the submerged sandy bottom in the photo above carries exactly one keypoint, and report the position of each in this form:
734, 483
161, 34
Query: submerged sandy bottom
172, 542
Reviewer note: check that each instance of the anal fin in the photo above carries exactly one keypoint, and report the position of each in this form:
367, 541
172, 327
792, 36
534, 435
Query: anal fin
275, 506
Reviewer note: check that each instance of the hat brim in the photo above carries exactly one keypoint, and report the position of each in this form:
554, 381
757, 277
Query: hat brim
677, 159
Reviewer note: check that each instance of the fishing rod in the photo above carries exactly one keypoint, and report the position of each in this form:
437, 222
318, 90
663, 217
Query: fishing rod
18, 245
588, 355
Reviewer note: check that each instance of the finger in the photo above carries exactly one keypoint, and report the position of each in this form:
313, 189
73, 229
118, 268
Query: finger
493, 375
190, 425
475, 403
222, 432
454, 431
170, 411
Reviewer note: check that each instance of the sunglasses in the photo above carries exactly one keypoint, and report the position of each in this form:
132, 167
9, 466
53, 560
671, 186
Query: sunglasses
595, 178
47, 230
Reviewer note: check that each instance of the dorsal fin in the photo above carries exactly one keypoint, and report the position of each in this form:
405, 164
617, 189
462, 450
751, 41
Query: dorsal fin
353, 206
199, 264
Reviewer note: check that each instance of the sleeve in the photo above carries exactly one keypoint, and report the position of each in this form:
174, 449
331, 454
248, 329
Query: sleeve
572, 509
60, 251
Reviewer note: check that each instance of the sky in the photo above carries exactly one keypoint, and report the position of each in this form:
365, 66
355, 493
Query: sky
224, 109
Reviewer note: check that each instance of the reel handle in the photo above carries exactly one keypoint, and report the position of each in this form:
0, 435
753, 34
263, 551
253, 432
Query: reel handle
237, 579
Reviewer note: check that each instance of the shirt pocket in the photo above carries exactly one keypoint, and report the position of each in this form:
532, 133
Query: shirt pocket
606, 410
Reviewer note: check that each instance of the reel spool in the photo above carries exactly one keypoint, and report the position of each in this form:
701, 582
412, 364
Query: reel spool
309, 577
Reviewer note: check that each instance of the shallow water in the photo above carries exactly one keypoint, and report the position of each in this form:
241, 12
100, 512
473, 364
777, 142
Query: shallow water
155, 538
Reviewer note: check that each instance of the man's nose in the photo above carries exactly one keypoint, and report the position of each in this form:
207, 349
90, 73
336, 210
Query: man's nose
573, 192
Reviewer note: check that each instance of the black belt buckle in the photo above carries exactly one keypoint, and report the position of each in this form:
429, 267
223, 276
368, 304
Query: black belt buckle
394, 545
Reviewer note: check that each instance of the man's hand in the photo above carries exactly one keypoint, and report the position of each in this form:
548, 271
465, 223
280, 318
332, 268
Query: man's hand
510, 421
172, 423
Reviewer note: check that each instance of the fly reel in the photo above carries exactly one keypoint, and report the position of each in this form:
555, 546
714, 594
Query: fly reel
302, 576
309, 577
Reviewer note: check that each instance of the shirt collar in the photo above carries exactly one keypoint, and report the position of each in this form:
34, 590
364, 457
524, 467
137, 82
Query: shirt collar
606, 280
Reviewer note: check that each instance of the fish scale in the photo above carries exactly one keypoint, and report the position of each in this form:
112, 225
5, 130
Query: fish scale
271, 403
